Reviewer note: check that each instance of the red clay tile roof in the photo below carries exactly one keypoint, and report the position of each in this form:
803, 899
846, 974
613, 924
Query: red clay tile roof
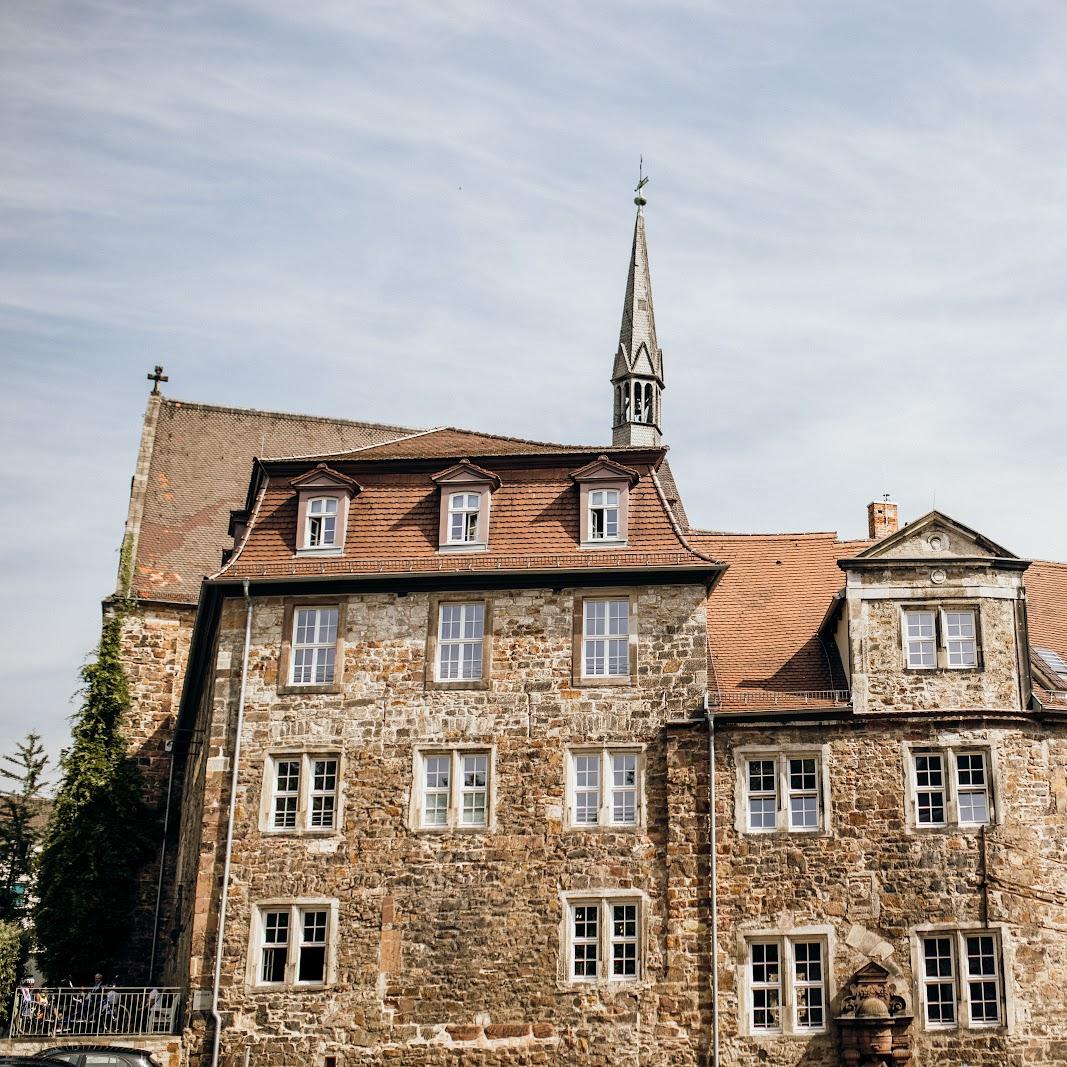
393, 526
764, 616
201, 459
1046, 599
447, 442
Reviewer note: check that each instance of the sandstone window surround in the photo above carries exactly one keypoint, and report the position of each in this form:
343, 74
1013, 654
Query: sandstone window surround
311, 659
950, 786
459, 642
604, 503
603, 937
941, 637
466, 492
785, 982
301, 792
782, 789
323, 499
960, 977
292, 943
605, 787
605, 638
454, 789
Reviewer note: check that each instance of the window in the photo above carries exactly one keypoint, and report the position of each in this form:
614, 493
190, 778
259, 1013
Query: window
320, 522
460, 636
782, 791
786, 979
303, 792
314, 646
605, 787
951, 787
941, 638
292, 943
604, 514
453, 789
464, 510
604, 939
962, 978
606, 638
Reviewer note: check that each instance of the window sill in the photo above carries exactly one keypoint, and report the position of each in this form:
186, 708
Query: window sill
781, 833
289, 689
297, 833
289, 987
601, 827
605, 543
487, 829
332, 550
603, 680
477, 546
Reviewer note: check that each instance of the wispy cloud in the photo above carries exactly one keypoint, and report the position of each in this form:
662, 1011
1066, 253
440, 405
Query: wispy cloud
857, 228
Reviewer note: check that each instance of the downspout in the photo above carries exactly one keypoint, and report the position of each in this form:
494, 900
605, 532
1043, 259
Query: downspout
229, 834
162, 861
710, 716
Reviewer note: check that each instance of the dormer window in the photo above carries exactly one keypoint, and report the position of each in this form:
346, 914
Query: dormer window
604, 502
604, 514
320, 529
466, 491
464, 511
323, 498
941, 637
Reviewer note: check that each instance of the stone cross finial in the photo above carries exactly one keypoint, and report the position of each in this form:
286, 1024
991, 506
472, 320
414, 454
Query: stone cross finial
156, 378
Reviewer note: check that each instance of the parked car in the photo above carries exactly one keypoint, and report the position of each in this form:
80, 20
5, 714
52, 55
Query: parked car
33, 1061
94, 1056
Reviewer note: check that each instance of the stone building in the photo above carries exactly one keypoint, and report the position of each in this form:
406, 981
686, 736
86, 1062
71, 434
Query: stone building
449, 729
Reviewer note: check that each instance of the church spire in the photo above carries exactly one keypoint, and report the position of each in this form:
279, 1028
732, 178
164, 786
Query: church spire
637, 377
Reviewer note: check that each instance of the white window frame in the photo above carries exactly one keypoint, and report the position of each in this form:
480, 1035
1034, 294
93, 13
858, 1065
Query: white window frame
465, 510
590, 641
934, 651
465, 608
952, 789
607, 939
317, 645
295, 910
599, 503
784, 793
788, 985
309, 518
606, 788
961, 979
457, 792
304, 794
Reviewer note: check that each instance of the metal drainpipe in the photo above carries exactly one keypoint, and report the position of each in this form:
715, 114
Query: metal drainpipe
710, 716
229, 834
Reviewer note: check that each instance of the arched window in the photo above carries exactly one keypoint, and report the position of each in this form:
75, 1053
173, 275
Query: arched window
626, 405
618, 404
648, 403
637, 402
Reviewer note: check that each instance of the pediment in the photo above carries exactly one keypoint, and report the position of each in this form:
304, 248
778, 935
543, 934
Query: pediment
466, 473
935, 536
603, 469
323, 477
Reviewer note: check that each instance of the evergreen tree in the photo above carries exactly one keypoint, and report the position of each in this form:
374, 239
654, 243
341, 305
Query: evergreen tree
99, 832
20, 830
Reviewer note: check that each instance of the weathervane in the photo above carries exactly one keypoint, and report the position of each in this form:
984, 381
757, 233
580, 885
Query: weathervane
642, 181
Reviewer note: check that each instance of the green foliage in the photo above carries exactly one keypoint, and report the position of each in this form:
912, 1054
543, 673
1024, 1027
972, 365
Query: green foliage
13, 950
99, 833
20, 825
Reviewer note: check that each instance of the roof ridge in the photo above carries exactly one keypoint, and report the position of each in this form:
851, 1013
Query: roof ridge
809, 534
196, 405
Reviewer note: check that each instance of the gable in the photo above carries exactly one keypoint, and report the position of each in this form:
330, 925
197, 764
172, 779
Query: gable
935, 536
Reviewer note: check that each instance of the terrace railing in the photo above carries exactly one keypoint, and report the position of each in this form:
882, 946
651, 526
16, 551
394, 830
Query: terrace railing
133, 1011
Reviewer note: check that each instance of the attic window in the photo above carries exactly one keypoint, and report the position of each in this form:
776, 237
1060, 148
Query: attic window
1055, 662
321, 522
604, 501
323, 499
465, 493
464, 510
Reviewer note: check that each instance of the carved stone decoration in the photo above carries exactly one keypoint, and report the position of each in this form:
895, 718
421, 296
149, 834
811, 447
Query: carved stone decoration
873, 1023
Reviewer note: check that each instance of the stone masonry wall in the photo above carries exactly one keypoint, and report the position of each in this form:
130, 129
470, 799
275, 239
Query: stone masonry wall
448, 947
875, 877
155, 648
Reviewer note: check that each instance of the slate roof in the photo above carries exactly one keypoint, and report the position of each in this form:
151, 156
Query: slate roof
393, 524
200, 461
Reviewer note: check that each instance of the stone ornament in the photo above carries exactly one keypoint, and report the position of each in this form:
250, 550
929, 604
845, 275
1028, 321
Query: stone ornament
873, 1022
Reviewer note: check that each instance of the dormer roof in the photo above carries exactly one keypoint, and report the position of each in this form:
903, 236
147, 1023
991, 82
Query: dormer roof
603, 469
466, 471
323, 477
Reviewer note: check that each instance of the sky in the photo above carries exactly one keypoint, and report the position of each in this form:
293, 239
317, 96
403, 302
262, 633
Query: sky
421, 214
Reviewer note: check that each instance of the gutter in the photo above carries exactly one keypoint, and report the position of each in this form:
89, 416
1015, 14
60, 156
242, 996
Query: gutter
220, 937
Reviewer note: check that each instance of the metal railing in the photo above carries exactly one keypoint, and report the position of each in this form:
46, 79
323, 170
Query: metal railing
773, 698
54, 1011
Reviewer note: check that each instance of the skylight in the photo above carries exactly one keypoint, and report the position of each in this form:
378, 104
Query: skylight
1054, 661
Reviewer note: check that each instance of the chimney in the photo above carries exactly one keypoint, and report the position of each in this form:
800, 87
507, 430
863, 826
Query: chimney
882, 519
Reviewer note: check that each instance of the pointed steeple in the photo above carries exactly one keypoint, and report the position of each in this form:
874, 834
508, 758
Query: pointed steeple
637, 376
